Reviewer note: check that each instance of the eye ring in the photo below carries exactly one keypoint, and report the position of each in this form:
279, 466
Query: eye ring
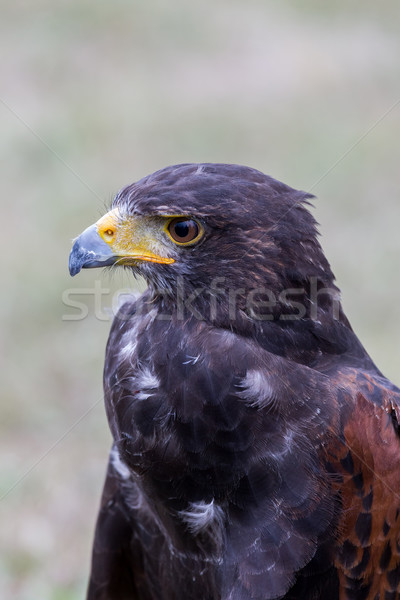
184, 231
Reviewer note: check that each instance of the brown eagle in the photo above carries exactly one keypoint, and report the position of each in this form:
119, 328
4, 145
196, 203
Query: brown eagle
256, 445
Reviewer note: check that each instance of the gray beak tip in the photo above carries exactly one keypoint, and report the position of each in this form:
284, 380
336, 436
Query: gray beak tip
89, 251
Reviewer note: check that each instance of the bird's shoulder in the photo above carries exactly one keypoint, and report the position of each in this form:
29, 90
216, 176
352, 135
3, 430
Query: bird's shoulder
364, 460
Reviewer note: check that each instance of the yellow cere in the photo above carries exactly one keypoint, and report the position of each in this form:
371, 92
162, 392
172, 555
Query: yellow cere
134, 238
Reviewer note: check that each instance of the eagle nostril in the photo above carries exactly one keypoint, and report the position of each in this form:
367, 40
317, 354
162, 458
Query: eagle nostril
108, 234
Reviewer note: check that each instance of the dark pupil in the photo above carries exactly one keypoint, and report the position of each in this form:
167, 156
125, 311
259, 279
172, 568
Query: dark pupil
182, 229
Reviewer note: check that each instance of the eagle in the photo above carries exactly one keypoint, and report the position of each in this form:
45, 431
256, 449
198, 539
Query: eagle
256, 450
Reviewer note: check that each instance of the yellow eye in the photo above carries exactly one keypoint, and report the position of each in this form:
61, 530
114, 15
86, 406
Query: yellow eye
183, 230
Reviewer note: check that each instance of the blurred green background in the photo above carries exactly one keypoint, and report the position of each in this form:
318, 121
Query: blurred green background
94, 95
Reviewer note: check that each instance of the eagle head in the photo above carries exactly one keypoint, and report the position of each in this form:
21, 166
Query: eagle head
217, 231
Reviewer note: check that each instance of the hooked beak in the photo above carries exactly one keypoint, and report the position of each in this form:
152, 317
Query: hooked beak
89, 251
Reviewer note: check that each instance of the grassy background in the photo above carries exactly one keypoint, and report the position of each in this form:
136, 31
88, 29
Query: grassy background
97, 94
